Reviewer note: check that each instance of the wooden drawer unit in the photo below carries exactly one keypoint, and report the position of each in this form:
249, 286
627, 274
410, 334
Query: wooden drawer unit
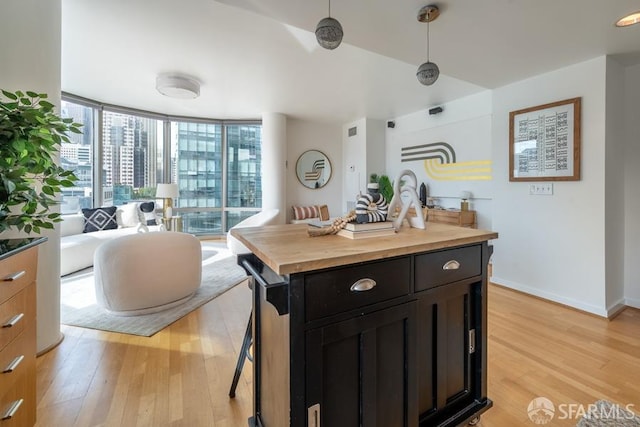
448, 266
18, 270
342, 289
453, 217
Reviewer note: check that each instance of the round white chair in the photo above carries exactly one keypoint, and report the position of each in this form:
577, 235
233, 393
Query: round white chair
147, 272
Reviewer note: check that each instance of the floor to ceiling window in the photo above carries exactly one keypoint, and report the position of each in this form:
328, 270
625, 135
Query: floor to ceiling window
123, 154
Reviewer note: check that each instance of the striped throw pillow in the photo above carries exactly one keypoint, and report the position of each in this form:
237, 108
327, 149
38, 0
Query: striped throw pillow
305, 212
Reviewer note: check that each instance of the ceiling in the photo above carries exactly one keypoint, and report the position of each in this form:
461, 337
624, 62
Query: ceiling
255, 56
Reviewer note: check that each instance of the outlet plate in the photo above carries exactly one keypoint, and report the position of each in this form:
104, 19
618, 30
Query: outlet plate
541, 189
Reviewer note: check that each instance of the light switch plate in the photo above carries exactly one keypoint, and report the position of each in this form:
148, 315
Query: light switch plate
541, 189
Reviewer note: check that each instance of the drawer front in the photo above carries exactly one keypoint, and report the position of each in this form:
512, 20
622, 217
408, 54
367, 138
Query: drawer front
16, 358
439, 268
16, 272
15, 314
17, 404
330, 292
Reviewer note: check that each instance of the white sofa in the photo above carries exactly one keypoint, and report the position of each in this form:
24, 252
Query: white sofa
77, 248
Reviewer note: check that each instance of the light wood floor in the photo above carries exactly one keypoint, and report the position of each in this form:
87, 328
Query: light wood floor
181, 376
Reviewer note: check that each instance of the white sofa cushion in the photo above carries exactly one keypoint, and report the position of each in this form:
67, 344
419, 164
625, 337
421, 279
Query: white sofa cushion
71, 224
128, 215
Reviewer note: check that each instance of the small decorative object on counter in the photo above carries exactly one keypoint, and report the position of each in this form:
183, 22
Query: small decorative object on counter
372, 207
337, 225
408, 178
423, 194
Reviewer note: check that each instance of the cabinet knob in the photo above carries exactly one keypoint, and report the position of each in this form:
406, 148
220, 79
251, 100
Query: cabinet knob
451, 265
363, 285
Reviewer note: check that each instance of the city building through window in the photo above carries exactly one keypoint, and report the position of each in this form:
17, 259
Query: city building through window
122, 155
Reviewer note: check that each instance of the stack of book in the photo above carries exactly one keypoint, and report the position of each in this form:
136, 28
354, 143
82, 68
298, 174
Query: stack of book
371, 229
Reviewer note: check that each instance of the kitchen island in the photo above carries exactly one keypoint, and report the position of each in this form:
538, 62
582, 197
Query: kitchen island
386, 331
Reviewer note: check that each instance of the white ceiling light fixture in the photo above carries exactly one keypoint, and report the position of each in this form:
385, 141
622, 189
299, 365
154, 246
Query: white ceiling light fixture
329, 32
176, 86
428, 72
631, 19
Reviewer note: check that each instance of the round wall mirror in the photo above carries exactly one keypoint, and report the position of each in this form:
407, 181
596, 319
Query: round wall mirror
313, 169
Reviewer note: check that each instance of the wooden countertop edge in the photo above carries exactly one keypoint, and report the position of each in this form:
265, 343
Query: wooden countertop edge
343, 257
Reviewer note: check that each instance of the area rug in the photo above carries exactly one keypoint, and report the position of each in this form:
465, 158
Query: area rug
78, 300
604, 413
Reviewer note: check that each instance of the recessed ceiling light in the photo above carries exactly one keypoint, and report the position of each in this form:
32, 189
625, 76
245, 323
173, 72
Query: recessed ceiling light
176, 86
630, 19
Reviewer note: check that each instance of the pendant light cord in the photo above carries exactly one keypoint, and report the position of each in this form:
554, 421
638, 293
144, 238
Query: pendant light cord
329, 8
427, 41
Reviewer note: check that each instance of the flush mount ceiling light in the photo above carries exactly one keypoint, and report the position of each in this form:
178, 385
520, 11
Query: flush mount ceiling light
630, 19
329, 32
175, 86
428, 72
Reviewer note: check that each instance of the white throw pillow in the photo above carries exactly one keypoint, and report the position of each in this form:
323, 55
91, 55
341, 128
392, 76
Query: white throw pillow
127, 215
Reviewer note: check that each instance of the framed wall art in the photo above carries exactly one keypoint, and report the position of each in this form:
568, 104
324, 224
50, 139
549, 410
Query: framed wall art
544, 142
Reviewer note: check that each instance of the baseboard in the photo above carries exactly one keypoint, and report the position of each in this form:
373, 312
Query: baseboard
570, 302
632, 302
616, 309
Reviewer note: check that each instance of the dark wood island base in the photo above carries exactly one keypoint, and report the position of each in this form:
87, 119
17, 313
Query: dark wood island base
388, 332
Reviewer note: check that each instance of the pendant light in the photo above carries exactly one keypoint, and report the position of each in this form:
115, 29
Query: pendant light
428, 72
329, 32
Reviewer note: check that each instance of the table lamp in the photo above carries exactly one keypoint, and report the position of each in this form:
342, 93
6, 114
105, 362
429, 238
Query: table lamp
168, 192
464, 200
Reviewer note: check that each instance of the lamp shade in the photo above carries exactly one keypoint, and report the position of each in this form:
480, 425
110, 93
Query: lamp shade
167, 191
329, 33
428, 73
465, 195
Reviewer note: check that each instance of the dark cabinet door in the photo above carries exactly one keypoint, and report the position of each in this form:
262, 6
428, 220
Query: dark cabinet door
358, 371
446, 351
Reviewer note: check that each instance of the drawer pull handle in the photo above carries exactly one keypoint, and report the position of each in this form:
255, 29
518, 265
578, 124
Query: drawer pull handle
13, 365
12, 322
12, 410
363, 285
451, 265
14, 276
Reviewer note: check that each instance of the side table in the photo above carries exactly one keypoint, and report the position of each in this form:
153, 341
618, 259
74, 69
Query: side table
173, 223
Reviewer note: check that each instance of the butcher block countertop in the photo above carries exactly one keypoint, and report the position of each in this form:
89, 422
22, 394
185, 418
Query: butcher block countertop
289, 249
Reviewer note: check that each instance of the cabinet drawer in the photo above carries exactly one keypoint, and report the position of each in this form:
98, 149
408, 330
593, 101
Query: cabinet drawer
330, 292
439, 268
16, 272
16, 312
22, 414
15, 360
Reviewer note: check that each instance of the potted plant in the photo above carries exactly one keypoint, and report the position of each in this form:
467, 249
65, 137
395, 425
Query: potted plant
30, 136
385, 185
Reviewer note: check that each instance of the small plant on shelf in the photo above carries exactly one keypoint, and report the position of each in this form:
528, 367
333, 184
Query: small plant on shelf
385, 186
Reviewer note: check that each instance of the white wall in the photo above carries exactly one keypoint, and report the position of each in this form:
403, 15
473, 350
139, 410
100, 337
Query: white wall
614, 200
465, 124
362, 155
30, 48
632, 186
303, 136
554, 246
